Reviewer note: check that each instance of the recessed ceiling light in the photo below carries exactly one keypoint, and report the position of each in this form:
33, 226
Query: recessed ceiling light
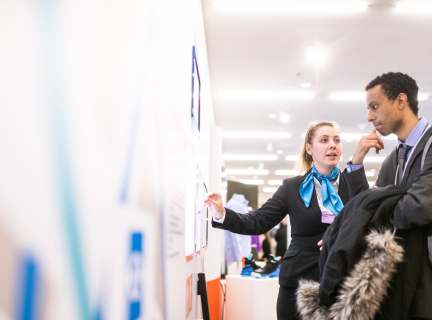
287, 172
269, 189
269, 147
284, 117
362, 126
362, 96
292, 158
242, 171
391, 137
249, 157
291, 6
316, 55
352, 136
250, 168
267, 135
348, 96
272, 116
279, 151
252, 182
267, 95
371, 183
370, 173
414, 6
305, 85
374, 159
275, 182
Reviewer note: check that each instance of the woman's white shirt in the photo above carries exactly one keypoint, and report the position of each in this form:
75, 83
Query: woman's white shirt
318, 190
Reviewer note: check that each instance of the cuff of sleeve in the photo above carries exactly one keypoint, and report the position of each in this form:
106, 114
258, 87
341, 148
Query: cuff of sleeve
220, 220
353, 167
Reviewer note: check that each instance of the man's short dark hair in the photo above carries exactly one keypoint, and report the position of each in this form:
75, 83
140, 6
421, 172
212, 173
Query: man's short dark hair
394, 83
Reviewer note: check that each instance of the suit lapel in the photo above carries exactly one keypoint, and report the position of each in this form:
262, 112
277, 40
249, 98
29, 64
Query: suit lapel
417, 151
343, 190
314, 203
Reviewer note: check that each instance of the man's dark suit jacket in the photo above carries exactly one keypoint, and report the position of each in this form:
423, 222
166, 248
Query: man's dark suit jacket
301, 258
413, 219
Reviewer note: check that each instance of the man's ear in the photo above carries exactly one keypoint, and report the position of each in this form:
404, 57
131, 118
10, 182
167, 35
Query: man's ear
308, 149
402, 100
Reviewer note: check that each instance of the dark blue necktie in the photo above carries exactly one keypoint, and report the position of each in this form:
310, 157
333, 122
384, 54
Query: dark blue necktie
402, 155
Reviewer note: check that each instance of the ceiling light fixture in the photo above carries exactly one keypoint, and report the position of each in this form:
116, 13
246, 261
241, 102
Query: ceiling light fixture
249, 157
266, 135
316, 55
279, 151
415, 6
305, 85
374, 159
352, 136
391, 137
252, 182
292, 6
269, 147
284, 117
267, 95
370, 173
272, 116
286, 172
348, 96
292, 158
270, 189
362, 96
247, 171
275, 182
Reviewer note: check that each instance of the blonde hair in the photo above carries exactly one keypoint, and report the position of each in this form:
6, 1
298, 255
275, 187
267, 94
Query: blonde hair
305, 161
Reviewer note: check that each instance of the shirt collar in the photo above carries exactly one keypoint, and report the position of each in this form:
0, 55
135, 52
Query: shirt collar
416, 133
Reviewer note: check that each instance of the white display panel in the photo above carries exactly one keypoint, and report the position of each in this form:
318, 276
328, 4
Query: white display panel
95, 138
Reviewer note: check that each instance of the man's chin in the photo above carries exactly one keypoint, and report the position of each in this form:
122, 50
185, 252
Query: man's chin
382, 132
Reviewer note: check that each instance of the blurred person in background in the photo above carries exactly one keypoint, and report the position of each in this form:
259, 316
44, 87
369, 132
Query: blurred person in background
266, 245
311, 200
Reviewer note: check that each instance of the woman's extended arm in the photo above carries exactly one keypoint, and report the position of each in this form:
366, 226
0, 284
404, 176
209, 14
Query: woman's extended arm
261, 221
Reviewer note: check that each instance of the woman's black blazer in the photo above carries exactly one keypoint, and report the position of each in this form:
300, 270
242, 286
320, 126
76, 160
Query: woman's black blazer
301, 258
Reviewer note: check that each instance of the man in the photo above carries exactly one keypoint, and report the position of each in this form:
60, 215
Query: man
393, 108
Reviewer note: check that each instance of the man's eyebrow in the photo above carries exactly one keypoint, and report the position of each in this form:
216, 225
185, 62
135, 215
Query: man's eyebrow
371, 104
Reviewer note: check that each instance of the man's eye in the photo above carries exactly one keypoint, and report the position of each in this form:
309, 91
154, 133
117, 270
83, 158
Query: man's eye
374, 107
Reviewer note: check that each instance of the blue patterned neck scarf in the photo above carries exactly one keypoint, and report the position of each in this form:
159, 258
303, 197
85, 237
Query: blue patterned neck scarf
330, 198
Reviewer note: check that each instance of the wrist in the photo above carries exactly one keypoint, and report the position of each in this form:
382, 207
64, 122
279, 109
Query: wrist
356, 160
220, 215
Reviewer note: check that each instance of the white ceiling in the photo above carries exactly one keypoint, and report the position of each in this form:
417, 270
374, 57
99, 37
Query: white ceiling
266, 52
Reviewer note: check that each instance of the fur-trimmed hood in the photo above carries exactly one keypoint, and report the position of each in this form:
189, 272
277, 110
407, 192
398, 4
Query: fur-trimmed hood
363, 290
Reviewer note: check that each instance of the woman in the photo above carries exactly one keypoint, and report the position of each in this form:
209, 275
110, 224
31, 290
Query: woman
311, 200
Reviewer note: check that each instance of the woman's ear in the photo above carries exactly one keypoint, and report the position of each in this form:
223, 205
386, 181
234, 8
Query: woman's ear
309, 149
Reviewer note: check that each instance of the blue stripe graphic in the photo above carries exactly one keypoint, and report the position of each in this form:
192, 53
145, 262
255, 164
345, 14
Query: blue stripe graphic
27, 304
59, 126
